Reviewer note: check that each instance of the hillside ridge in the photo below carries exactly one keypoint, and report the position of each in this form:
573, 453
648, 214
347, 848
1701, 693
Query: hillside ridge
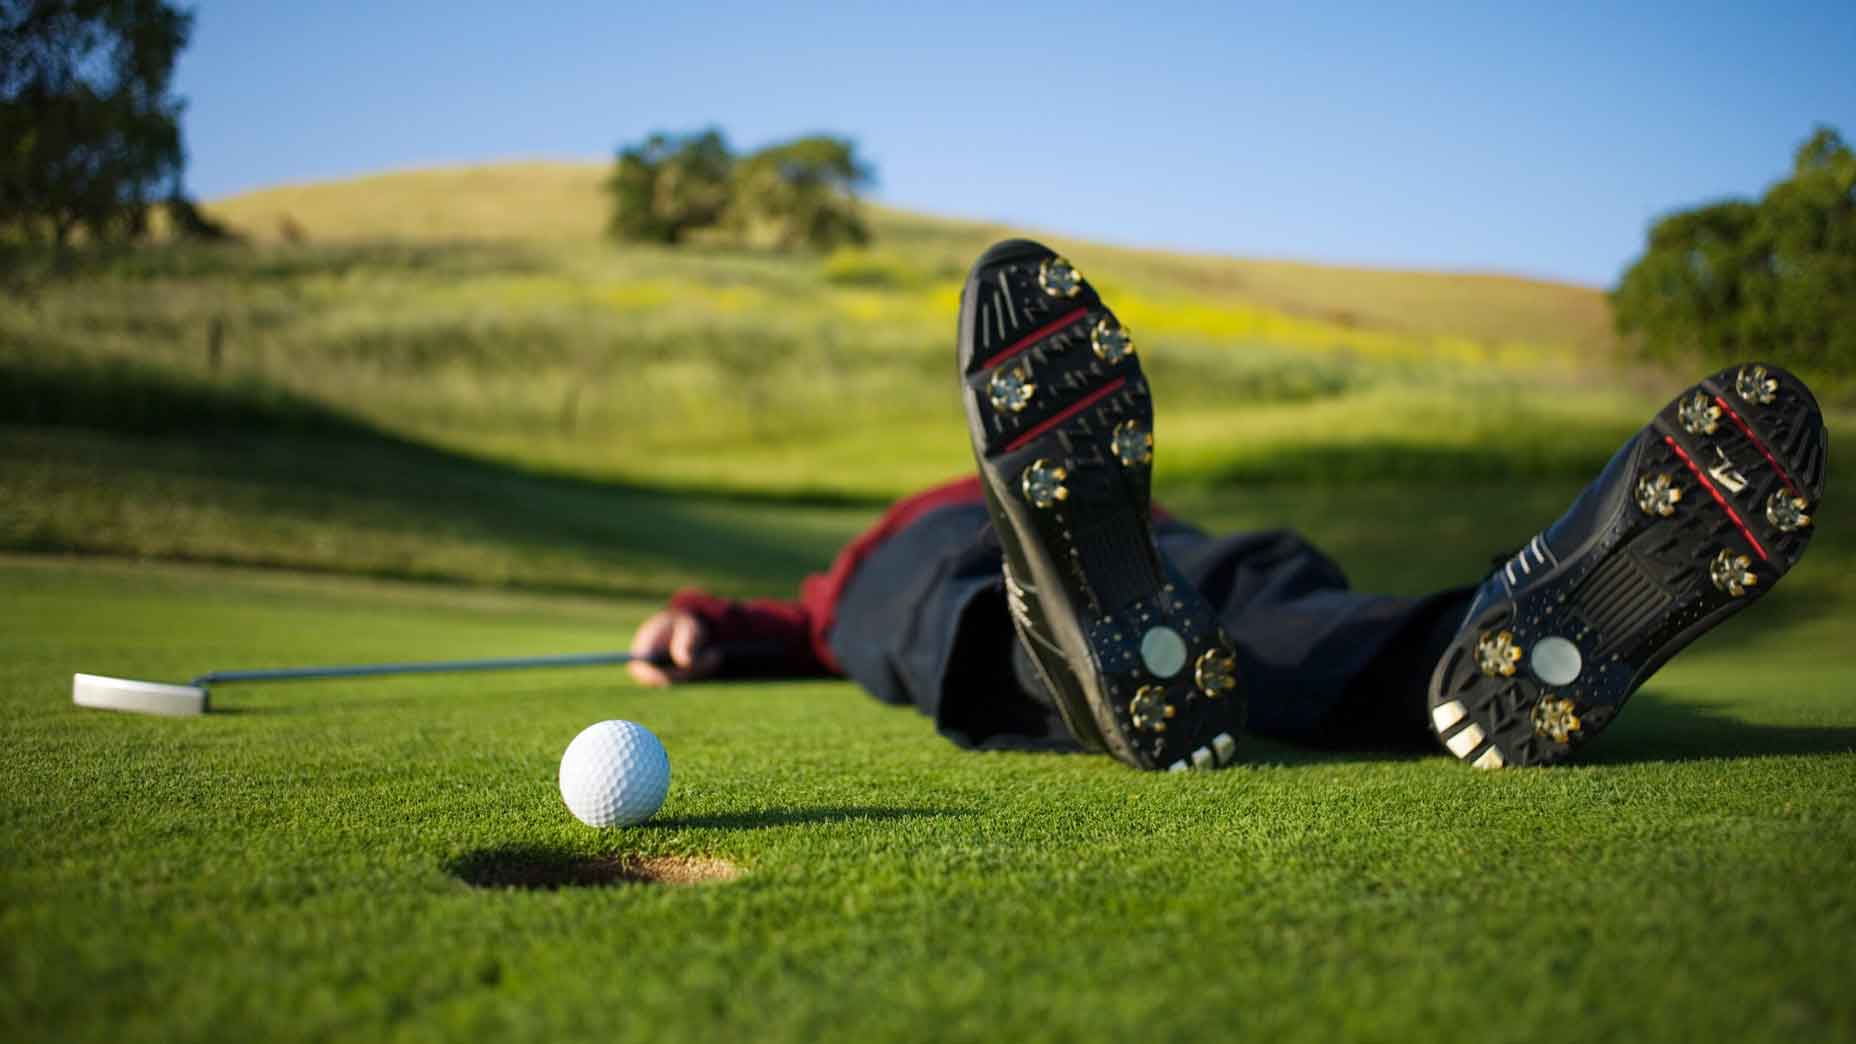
561, 204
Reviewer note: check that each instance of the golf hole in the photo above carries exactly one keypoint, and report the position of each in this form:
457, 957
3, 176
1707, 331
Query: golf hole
544, 870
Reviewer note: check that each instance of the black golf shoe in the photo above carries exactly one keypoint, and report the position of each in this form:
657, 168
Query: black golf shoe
1062, 428
1697, 516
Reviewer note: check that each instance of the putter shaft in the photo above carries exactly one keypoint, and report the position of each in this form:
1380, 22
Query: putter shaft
212, 678
128, 694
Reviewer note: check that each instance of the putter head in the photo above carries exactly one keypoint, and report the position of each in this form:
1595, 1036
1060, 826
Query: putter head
137, 697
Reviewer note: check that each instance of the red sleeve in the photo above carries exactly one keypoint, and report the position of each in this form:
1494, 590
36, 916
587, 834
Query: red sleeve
774, 638
760, 638
768, 638
819, 593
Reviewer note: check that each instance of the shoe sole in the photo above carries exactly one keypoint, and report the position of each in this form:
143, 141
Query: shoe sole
1062, 425
1721, 486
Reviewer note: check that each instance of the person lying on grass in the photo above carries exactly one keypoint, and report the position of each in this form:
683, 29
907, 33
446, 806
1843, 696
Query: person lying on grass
1045, 603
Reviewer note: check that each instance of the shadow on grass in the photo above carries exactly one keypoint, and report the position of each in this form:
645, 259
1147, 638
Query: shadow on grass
1656, 729
778, 817
545, 868
1652, 729
283, 455
1577, 455
145, 438
1256, 750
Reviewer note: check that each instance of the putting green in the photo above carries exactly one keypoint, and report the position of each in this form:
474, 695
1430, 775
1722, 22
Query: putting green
294, 866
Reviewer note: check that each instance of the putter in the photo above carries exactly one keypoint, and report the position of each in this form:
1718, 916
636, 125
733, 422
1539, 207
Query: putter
144, 697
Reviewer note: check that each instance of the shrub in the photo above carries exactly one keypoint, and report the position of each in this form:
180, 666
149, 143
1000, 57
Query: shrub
791, 194
1774, 279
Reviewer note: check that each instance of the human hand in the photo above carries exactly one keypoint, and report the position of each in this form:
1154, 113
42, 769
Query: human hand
677, 637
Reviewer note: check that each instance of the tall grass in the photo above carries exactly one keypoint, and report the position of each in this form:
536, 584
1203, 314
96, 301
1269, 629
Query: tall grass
571, 414
561, 203
748, 371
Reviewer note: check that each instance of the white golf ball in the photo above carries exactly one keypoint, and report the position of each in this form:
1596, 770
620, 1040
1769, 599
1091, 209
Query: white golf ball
614, 773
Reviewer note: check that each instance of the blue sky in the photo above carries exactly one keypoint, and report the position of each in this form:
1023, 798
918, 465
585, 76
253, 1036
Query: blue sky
1529, 138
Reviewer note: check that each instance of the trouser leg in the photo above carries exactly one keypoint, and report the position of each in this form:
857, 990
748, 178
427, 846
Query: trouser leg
923, 622
1319, 662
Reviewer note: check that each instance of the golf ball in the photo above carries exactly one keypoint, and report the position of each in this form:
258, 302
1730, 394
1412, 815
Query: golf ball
614, 773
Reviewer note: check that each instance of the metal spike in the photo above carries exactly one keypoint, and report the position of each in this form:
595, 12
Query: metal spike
1732, 573
1556, 719
1215, 672
1110, 340
1011, 389
1787, 512
1497, 654
1755, 385
1658, 495
1699, 414
1059, 278
1043, 483
1133, 444
1149, 709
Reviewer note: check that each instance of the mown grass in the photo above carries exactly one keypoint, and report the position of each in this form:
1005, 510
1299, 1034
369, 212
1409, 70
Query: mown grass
289, 869
586, 428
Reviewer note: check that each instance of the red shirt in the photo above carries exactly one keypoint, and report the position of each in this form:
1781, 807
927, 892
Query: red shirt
789, 637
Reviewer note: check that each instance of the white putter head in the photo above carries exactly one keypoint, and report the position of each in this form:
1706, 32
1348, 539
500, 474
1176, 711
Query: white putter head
140, 697
137, 697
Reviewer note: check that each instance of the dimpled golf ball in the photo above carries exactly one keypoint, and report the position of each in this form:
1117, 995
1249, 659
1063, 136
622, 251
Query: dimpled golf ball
614, 773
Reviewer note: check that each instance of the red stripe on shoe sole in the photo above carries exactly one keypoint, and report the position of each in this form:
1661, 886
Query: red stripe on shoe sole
1716, 494
1075, 408
1036, 335
1760, 446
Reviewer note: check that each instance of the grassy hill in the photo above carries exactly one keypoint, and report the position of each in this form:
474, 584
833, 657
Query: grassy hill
452, 380
452, 376
558, 203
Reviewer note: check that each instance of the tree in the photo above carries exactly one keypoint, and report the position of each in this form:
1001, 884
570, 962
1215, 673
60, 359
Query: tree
1803, 295
1774, 279
91, 130
1686, 289
669, 186
801, 192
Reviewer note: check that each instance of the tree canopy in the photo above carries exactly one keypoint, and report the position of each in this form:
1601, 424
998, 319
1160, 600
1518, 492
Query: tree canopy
1772, 279
791, 194
670, 185
89, 129
802, 192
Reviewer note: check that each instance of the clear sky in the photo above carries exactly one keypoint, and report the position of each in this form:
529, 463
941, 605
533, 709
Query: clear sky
1536, 138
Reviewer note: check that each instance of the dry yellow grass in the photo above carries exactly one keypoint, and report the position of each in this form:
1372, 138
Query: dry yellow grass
562, 203
1482, 307
496, 202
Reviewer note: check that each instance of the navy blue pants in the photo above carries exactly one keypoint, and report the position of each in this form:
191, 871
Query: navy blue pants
923, 621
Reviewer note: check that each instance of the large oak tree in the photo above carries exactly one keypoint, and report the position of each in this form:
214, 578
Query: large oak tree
1773, 279
89, 127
